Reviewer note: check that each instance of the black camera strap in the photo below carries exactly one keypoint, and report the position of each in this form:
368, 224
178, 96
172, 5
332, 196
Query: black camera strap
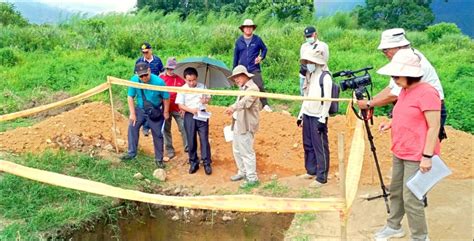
146, 103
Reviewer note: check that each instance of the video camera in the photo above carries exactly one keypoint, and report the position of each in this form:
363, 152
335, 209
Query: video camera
356, 83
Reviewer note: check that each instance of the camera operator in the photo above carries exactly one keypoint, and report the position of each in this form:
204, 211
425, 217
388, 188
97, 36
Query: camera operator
415, 126
313, 117
391, 42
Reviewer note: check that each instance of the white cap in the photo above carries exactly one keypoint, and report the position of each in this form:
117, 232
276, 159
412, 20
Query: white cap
393, 38
404, 63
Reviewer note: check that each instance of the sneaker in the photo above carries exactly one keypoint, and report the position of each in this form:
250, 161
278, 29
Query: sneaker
146, 132
267, 108
237, 177
426, 239
249, 184
316, 184
307, 176
168, 158
386, 232
127, 157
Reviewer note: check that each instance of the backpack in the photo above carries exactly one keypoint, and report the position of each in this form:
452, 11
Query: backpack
334, 108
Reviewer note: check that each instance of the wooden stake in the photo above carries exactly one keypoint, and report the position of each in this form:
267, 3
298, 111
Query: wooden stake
342, 185
114, 125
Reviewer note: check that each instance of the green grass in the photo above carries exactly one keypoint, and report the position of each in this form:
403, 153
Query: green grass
34, 209
274, 188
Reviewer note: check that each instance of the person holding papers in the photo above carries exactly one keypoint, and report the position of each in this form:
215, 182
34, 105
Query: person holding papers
196, 121
414, 129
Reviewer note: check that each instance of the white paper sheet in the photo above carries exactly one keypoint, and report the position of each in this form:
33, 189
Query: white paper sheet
202, 115
228, 134
421, 183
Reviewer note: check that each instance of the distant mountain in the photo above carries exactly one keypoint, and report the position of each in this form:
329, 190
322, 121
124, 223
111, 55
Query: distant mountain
460, 12
40, 13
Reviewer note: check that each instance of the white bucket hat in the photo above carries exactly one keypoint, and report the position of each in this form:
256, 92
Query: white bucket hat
240, 69
314, 55
404, 63
393, 38
248, 23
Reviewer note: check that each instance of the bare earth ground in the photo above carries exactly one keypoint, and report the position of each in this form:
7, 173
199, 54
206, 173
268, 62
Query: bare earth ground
278, 145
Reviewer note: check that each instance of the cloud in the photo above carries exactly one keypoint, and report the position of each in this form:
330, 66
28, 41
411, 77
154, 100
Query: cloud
92, 6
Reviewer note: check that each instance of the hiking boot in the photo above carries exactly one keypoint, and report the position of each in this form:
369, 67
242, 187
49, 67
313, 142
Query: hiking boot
127, 157
267, 108
146, 132
316, 184
249, 184
160, 164
208, 169
387, 232
237, 177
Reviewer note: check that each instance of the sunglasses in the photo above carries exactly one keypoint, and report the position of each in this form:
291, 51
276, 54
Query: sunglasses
143, 75
145, 52
395, 77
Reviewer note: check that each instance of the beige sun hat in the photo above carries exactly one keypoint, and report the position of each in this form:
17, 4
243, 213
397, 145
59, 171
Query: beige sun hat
404, 63
248, 23
314, 55
393, 38
240, 69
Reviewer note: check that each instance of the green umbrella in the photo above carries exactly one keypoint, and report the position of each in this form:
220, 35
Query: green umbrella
211, 72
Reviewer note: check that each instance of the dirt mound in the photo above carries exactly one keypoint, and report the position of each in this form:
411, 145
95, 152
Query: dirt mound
278, 144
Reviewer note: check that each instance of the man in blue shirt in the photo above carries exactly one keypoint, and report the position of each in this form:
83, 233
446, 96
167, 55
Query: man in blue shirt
148, 109
250, 51
156, 67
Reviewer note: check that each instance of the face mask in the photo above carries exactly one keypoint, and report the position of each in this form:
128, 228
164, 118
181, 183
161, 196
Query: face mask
310, 40
311, 67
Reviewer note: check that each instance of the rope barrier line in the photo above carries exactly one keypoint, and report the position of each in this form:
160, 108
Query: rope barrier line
128, 83
242, 203
84, 95
113, 80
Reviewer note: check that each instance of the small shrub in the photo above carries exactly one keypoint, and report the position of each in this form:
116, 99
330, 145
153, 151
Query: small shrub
437, 31
9, 58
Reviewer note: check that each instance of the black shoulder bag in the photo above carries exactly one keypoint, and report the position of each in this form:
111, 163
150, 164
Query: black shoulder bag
153, 113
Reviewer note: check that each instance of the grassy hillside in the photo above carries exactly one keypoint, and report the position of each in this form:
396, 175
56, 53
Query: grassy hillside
38, 61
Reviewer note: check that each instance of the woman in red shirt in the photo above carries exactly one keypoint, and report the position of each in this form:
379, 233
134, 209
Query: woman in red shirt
415, 125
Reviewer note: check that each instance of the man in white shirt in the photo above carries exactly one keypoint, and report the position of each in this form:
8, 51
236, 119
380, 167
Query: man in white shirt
392, 41
312, 42
191, 104
313, 117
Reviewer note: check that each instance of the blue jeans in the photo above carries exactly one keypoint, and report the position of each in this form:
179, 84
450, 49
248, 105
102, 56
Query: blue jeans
155, 126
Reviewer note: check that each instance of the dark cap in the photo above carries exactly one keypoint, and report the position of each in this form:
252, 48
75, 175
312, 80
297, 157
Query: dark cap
145, 46
141, 68
308, 31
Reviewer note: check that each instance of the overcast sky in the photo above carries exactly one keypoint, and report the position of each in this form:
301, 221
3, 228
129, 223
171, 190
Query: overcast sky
91, 6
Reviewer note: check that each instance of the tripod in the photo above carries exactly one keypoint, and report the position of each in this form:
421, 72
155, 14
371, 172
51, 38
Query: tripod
359, 93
